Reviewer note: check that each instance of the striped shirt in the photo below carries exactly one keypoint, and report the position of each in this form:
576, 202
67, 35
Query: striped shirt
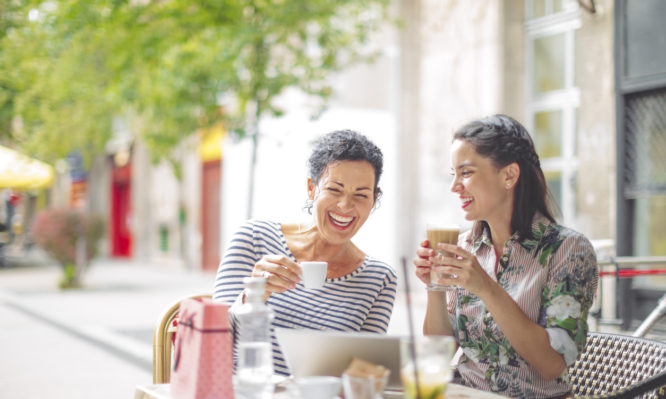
553, 278
359, 301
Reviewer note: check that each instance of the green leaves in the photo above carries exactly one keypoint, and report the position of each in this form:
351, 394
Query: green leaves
68, 68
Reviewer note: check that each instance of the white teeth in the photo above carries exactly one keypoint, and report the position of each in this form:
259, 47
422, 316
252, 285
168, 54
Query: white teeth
340, 220
466, 200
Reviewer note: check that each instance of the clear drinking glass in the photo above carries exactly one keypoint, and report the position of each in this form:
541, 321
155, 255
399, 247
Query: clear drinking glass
425, 366
360, 387
440, 233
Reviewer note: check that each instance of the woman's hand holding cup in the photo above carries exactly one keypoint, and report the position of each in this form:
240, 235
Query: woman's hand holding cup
280, 272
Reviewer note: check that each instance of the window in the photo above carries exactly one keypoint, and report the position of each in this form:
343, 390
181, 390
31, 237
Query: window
552, 97
645, 169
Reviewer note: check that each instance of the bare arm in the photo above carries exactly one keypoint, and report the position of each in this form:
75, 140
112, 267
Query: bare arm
436, 320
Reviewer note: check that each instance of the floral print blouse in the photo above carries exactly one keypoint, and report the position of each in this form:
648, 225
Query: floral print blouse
553, 278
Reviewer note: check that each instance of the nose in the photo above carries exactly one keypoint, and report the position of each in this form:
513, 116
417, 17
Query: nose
345, 202
455, 186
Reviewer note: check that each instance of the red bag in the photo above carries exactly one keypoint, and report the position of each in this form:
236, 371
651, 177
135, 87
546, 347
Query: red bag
203, 367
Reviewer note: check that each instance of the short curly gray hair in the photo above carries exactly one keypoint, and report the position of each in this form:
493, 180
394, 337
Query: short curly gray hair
345, 145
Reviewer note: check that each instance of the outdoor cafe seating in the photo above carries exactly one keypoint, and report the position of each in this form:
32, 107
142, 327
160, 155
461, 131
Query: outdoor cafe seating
163, 339
611, 365
620, 366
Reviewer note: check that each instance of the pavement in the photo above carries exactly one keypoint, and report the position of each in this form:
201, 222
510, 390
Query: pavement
93, 342
96, 341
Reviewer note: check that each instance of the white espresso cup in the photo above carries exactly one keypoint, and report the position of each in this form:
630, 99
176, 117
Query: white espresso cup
314, 274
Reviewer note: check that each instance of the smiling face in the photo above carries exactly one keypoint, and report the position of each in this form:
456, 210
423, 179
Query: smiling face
343, 199
485, 191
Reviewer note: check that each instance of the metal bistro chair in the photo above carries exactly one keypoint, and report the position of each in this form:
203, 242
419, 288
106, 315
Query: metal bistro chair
619, 366
163, 339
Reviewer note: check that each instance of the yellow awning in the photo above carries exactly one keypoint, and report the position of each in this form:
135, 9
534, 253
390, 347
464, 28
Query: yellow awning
22, 172
210, 144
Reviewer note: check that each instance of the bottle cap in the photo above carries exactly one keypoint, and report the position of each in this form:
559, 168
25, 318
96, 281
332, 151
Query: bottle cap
255, 285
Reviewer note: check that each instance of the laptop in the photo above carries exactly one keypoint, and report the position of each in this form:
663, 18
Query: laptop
315, 352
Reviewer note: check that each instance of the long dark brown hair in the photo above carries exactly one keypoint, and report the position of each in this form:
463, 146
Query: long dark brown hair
504, 140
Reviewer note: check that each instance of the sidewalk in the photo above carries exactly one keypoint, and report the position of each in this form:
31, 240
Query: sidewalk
96, 342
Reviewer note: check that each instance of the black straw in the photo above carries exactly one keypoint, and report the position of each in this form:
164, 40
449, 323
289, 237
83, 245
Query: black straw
412, 338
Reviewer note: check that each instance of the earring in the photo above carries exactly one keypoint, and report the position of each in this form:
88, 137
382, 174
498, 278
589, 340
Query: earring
508, 186
308, 205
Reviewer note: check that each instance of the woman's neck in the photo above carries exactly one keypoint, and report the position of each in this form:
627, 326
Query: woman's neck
307, 244
499, 236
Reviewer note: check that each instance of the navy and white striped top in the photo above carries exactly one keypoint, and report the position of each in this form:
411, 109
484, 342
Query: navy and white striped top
360, 301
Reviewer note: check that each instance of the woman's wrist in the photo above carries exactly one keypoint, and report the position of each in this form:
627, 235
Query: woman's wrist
436, 296
493, 293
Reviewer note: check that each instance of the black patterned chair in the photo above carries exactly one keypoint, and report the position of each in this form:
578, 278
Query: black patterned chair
619, 366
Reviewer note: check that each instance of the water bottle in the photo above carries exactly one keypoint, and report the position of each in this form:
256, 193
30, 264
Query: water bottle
254, 369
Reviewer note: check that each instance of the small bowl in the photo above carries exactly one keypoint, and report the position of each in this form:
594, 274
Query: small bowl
320, 387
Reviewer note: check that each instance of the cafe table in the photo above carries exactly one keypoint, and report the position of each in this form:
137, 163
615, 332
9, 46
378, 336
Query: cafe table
453, 391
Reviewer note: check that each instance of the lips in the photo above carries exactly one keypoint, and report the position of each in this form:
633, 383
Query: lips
466, 201
340, 220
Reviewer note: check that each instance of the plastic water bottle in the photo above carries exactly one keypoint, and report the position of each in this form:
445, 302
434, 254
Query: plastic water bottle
254, 369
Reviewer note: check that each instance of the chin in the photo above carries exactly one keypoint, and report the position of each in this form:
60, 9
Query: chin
469, 216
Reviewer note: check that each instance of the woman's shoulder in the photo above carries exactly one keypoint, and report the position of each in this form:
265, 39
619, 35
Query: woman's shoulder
544, 229
261, 224
260, 228
572, 236
569, 246
385, 267
551, 241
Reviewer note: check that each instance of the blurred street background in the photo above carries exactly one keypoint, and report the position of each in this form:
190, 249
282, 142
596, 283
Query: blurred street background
93, 342
136, 136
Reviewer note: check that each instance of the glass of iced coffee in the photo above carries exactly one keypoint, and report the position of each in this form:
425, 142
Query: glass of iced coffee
440, 233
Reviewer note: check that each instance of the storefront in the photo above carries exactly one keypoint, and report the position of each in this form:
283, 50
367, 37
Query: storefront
20, 177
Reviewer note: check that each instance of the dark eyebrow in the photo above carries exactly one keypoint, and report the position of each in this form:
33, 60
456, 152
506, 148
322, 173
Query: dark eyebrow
358, 189
463, 165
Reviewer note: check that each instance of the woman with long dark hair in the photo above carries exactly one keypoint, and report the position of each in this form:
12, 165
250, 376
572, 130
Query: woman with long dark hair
524, 283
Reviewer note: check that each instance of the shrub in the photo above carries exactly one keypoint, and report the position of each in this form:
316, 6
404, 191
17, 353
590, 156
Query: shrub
56, 231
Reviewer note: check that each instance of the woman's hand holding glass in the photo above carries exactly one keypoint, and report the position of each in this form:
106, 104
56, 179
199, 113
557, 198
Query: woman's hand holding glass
427, 260
464, 269
424, 261
280, 272
468, 272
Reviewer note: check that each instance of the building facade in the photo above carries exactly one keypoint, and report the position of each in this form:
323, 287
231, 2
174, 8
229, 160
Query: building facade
586, 78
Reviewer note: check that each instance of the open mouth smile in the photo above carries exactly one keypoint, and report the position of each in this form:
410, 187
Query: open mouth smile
340, 220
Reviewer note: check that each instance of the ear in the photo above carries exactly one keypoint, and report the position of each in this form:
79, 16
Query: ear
511, 175
311, 189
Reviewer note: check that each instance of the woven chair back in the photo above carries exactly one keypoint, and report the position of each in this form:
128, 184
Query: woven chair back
610, 362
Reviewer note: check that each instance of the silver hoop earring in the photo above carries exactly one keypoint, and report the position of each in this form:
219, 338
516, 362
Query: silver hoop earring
308, 205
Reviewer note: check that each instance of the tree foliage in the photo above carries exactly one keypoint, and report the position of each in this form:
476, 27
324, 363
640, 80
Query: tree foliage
166, 67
